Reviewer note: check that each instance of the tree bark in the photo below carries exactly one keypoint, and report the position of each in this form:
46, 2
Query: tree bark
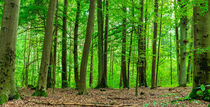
201, 73
83, 68
123, 56
76, 28
159, 43
154, 45
64, 46
101, 73
106, 42
42, 82
183, 43
8, 38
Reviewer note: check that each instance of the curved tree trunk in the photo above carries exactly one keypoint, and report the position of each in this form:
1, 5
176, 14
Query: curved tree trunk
89, 31
42, 82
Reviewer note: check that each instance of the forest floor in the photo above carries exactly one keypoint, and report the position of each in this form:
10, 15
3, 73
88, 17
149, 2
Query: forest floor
160, 97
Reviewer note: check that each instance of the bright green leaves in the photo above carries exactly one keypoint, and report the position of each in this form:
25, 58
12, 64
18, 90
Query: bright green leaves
203, 87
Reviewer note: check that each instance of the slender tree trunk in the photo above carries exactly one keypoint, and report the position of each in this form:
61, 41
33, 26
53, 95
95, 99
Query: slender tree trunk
171, 60
24, 63
91, 67
70, 61
159, 43
83, 68
55, 46
177, 41
64, 46
183, 43
123, 56
141, 47
145, 46
42, 82
105, 41
8, 38
101, 73
76, 28
154, 45
131, 42
27, 63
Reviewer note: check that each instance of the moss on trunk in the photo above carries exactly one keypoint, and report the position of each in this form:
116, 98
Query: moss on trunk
3, 99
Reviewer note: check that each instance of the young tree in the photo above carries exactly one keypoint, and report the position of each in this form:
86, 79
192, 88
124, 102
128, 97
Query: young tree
154, 45
201, 73
76, 28
8, 38
42, 82
89, 31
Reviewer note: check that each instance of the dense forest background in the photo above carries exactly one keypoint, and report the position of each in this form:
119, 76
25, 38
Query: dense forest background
31, 36
85, 44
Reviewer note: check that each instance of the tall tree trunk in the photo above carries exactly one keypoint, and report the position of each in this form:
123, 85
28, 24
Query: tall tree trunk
183, 43
55, 46
101, 73
28, 61
154, 45
131, 41
83, 68
64, 46
141, 47
145, 39
177, 40
105, 42
201, 74
8, 38
123, 56
159, 43
24, 63
42, 82
76, 28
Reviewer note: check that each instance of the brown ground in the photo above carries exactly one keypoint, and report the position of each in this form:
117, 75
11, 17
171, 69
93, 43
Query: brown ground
160, 97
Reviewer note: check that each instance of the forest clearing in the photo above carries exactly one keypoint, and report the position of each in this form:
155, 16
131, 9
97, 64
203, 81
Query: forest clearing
143, 53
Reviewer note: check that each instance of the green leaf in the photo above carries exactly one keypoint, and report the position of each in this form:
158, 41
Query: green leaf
203, 87
146, 105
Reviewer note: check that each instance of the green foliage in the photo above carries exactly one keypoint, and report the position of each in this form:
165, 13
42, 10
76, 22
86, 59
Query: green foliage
200, 93
3, 99
17, 96
40, 93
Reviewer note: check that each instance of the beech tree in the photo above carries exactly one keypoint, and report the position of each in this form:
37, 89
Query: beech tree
201, 75
8, 38
42, 81
89, 31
